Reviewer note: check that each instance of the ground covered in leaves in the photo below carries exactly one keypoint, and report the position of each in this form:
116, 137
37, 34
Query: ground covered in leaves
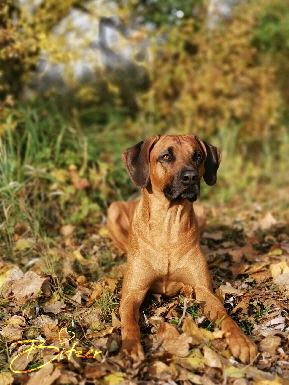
60, 298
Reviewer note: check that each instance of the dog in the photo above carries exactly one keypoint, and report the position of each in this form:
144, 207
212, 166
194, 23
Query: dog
161, 235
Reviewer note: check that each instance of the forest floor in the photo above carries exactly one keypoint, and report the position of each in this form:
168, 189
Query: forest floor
60, 297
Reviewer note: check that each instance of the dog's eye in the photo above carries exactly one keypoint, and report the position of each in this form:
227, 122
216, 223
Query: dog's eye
166, 157
197, 157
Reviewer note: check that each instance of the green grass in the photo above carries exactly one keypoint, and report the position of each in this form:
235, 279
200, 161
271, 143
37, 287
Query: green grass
43, 144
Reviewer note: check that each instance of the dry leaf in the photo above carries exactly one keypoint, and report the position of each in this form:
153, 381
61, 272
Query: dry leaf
45, 376
23, 244
115, 321
6, 378
156, 368
97, 291
12, 333
55, 307
212, 358
17, 320
196, 359
249, 269
277, 381
42, 320
227, 289
234, 372
240, 381
236, 255
279, 268
68, 377
267, 222
112, 379
26, 288
172, 341
67, 230
110, 283
192, 330
23, 360
282, 281
199, 334
270, 344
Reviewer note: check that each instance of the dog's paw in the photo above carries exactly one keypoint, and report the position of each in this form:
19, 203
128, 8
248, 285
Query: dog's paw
242, 347
133, 349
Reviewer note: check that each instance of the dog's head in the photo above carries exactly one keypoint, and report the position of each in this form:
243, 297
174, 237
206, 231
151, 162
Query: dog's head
173, 164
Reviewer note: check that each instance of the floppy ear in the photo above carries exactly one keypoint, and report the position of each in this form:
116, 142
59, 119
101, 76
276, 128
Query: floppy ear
212, 162
136, 161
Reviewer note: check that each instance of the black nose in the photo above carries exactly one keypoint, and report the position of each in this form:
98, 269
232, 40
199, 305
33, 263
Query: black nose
189, 177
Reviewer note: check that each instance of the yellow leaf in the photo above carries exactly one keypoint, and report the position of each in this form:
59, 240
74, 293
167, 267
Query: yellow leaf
196, 359
6, 378
112, 379
192, 330
103, 232
23, 244
279, 268
212, 358
262, 381
234, 372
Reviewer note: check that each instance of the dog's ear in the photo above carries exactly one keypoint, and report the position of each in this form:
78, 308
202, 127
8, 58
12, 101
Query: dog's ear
212, 162
136, 161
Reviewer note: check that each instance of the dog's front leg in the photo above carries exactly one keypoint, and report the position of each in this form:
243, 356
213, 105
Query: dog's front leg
198, 273
133, 293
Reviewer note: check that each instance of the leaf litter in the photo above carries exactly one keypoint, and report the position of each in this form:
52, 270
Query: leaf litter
60, 322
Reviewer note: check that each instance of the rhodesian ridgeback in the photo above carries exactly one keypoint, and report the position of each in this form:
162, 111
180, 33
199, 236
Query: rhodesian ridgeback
161, 236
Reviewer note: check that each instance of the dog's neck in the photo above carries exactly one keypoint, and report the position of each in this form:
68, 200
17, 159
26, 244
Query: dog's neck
162, 214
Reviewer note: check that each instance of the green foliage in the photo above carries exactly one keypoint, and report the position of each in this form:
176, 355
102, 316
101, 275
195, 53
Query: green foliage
53, 173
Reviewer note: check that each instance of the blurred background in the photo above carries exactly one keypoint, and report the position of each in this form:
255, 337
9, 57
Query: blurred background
82, 80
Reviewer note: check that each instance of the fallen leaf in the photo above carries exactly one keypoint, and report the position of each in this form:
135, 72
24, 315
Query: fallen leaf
277, 323
112, 379
68, 377
212, 358
94, 372
23, 360
42, 320
28, 287
17, 320
110, 283
6, 378
96, 293
67, 230
199, 334
249, 269
192, 330
234, 372
279, 268
282, 281
276, 252
24, 243
227, 289
276, 381
196, 359
45, 376
267, 222
172, 341
12, 333
55, 307
156, 368
270, 344
236, 255
115, 321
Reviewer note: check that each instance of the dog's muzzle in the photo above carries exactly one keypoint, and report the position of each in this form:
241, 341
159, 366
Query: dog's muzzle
186, 185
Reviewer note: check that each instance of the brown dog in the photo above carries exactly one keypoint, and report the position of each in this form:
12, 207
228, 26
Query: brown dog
160, 233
